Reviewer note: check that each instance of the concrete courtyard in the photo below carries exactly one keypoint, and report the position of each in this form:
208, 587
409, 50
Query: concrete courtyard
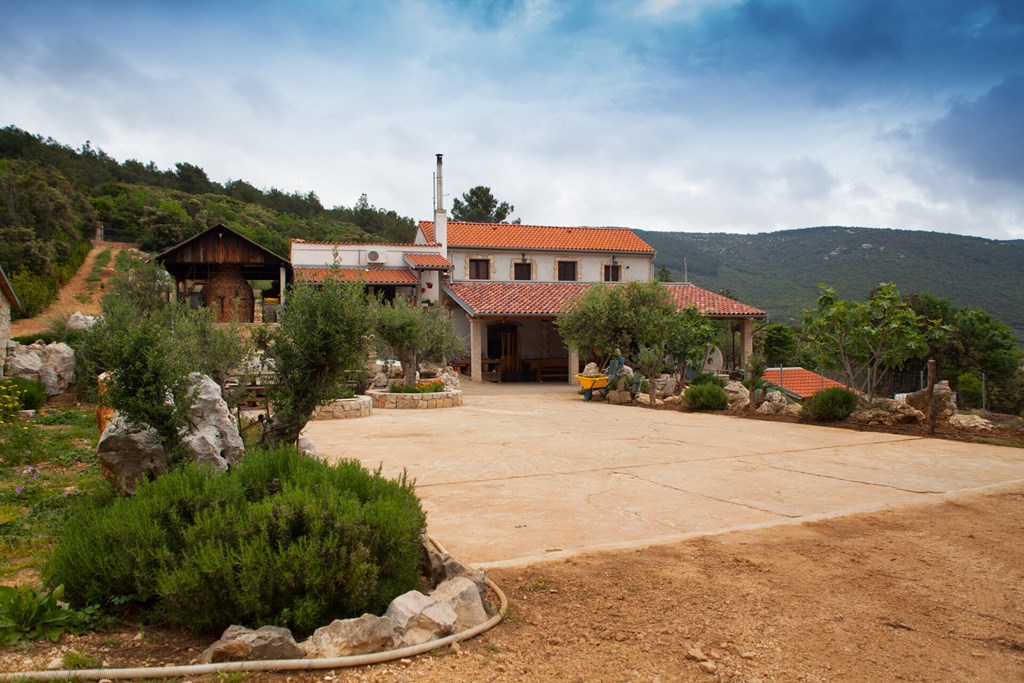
525, 473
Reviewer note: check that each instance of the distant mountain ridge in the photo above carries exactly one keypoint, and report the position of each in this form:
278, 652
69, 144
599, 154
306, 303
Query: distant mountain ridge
779, 271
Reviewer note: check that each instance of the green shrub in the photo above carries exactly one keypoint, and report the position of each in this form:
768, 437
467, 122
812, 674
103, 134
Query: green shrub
834, 403
31, 395
707, 378
45, 337
706, 397
281, 539
969, 389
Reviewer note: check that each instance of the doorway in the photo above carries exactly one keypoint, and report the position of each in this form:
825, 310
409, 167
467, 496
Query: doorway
503, 345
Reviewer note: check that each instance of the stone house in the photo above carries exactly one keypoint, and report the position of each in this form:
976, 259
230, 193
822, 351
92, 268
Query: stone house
506, 284
8, 304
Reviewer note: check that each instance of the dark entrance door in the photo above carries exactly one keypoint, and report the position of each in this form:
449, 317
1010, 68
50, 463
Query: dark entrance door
503, 344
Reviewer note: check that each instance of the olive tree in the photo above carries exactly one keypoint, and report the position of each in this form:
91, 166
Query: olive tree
150, 345
626, 317
412, 333
864, 339
323, 334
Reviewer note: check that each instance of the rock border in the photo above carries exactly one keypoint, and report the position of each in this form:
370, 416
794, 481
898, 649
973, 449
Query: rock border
434, 399
345, 408
305, 664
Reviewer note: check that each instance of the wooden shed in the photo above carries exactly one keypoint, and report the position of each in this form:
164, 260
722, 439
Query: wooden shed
215, 267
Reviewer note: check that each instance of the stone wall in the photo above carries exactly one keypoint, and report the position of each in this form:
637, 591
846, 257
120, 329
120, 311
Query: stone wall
345, 408
5, 329
436, 399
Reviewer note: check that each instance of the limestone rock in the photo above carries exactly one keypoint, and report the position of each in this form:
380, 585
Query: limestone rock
380, 381
971, 423
450, 378
214, 439
619, 397
887, 412
307, 447
241, 644
53, 365
739, 396
774, 404
344, 637
24, 364
945, 407
666, 386
79, 321
418, 618
792, 409
58, 371
462, 595
439, 567
128, 454
591, 369
645, 399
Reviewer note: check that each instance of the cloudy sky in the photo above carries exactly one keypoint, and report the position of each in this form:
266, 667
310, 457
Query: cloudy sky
697, 115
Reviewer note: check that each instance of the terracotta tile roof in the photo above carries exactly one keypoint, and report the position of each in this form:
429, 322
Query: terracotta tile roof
372, 276
687, 294
514, 298
428, 261
799, 382
299, 240
509, 236
487, 297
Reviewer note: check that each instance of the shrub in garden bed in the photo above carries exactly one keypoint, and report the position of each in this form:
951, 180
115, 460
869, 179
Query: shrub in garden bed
834, 403
282, 539
706, 397
418, 388
29, 395
707, 378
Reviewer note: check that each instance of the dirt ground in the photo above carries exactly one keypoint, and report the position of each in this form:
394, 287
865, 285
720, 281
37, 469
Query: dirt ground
68, 300
929, 593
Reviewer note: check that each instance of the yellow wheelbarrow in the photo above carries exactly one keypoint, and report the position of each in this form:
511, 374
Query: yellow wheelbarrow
590, 384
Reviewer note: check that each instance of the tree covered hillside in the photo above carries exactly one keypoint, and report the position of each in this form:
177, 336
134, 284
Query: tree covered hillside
779, 271
53, 198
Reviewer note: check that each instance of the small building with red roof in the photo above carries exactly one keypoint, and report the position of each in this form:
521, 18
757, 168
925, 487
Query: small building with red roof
798, 382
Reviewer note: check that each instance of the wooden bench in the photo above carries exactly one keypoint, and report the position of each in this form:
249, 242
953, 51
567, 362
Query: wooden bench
544, 369
491, 369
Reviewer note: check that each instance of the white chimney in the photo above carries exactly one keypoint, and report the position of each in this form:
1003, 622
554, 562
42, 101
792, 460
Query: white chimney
440, 217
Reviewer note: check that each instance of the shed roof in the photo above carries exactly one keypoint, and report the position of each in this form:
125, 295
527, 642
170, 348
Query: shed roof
218, 246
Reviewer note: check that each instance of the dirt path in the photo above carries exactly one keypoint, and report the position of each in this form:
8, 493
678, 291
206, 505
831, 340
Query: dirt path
77, 295
928, 593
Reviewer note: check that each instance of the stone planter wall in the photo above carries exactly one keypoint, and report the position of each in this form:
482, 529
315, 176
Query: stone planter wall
436, 399
345, 408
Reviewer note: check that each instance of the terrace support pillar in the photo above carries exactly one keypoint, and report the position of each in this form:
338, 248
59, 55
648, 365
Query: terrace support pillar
476, 373
746, 341
574, 364
282, 274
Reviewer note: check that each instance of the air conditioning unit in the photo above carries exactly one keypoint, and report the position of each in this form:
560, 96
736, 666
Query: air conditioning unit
373, 256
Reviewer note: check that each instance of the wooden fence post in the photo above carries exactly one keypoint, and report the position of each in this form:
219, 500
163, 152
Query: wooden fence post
931, 396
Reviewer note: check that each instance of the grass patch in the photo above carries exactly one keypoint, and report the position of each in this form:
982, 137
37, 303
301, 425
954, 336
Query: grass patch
47, 467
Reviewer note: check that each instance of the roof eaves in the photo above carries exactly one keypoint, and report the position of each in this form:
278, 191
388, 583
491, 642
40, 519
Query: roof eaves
457, 299
9, 292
